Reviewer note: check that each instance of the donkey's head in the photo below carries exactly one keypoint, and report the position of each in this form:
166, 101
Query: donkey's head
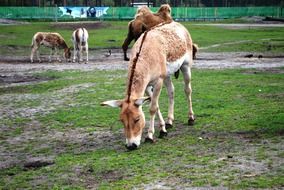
133, 119
67, 54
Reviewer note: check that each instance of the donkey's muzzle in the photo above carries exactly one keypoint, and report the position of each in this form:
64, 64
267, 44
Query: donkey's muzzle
133, 146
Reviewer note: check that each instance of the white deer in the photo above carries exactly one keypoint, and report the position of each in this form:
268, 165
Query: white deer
80, 42
156, 55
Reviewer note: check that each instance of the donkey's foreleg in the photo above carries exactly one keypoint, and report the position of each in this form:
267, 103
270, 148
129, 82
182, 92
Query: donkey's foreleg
149, 91
56, 54
50, 55
187, 89
170, 89
154, 108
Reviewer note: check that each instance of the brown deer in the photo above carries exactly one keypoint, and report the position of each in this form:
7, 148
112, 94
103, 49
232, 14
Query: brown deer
156, 55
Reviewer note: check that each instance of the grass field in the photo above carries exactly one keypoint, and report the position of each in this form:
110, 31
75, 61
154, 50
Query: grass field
236, 142
112, 34
239, 122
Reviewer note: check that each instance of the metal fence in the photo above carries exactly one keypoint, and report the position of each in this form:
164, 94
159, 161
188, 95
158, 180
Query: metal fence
178, 13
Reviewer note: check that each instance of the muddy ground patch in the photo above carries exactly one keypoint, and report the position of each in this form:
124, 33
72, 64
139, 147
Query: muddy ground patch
101, 59
21, 79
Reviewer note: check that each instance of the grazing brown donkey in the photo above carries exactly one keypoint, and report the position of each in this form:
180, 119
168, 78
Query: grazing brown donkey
144, 20
52, 40
156, 55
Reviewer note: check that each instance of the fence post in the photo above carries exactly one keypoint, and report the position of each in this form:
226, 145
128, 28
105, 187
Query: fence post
55, 12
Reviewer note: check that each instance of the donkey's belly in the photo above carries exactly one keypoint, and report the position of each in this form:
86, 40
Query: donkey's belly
174, 66
47, 44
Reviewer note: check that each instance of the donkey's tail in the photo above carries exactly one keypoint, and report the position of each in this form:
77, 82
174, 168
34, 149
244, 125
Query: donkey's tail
32, 44
194, 50
84, 40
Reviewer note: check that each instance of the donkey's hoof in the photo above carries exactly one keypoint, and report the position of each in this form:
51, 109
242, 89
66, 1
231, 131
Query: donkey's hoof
191, 121
163, 134
169, 126
126, 59
149, 140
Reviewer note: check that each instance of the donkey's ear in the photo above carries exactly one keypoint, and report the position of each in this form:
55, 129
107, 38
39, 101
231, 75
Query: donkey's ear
140, 101
112, 103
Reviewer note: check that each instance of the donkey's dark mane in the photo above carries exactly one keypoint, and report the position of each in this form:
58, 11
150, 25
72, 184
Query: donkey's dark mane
133, 68
136, 59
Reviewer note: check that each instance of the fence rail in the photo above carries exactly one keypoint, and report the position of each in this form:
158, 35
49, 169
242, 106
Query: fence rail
179, 13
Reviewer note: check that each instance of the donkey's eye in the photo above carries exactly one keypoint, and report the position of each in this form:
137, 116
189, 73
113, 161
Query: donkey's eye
137, 119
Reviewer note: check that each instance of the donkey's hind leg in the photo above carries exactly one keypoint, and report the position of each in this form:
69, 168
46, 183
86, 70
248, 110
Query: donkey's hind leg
35, 50
32, 55
75, 51
187, 89
170, 89
87, 52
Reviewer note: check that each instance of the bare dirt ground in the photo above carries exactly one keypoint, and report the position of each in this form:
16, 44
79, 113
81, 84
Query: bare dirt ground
102, 60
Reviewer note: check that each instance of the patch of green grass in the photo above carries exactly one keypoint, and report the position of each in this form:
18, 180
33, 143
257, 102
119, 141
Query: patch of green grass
260, 39
113, 34
226, 103
267, 181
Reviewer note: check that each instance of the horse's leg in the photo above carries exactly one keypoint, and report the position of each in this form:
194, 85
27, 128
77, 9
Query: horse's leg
170, 89
187, 89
